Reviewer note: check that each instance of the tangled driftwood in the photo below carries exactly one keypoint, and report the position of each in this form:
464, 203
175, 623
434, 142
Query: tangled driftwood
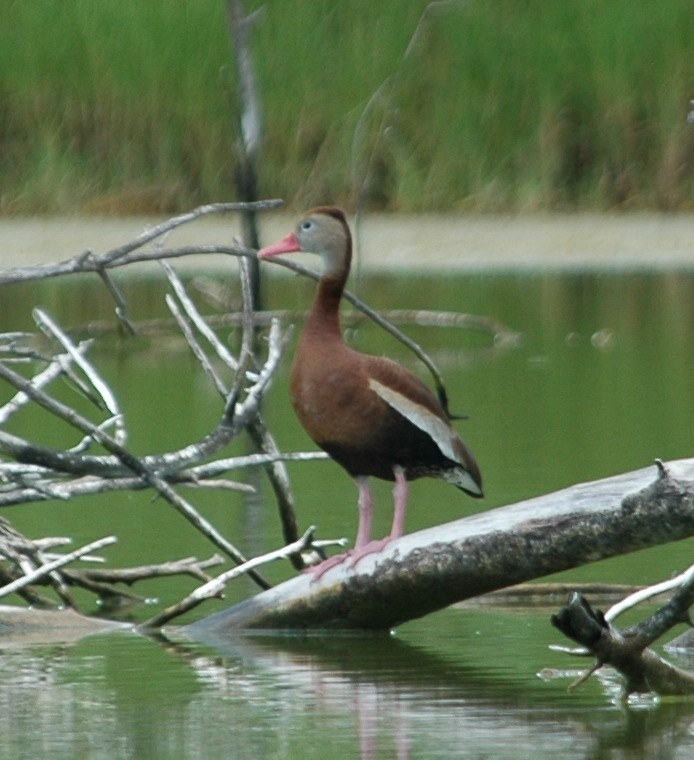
100, 460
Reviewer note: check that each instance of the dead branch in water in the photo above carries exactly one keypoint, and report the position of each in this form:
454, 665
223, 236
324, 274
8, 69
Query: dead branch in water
215, 586
629, 651
99, 459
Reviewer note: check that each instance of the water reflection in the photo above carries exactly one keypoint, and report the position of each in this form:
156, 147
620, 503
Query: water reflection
122, 695
398, 698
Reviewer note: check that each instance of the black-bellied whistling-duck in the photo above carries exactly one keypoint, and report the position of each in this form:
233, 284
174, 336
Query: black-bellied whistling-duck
368, 413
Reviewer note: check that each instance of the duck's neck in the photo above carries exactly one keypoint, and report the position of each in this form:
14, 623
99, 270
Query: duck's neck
324, 320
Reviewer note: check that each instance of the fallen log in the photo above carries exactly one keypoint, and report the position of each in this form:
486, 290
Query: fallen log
431, 569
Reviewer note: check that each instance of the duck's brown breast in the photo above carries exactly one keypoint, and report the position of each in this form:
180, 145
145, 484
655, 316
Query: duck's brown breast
331, 395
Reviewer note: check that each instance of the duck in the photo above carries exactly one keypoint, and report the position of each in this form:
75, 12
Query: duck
370, 414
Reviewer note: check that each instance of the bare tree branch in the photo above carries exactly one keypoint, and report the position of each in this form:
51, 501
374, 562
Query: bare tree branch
215, 587
48, 568
202, 326
249, 130
683, 580
54, 369
34, 565
234, 420
110, 402
129, 254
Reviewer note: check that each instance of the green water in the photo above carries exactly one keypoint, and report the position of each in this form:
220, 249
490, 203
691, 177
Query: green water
599, 384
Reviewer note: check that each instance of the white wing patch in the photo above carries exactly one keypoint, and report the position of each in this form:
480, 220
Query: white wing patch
421, 417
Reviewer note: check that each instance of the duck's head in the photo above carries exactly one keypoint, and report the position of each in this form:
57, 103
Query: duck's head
323, 231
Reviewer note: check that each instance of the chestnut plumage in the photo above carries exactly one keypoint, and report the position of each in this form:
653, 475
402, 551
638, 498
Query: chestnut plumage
368, 413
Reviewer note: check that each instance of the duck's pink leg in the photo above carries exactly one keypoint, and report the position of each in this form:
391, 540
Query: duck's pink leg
400, 492
364, 545
366, 508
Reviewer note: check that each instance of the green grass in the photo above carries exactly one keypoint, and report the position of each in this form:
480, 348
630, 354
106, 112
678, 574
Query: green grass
497, 105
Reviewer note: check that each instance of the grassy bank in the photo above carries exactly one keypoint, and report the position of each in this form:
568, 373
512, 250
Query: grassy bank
489, 105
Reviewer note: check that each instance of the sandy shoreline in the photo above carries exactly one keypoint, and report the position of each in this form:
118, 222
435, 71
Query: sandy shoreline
417, 243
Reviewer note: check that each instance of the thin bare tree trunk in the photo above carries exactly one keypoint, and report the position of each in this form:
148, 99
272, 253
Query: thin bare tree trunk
250, 128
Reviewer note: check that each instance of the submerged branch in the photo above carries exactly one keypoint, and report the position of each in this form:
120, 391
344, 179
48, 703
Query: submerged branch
627, 650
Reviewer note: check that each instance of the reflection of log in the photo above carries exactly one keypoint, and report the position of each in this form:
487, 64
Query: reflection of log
429, 570
401, 686
20, 627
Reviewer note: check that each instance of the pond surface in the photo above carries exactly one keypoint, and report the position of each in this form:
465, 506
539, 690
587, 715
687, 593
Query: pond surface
600, 383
